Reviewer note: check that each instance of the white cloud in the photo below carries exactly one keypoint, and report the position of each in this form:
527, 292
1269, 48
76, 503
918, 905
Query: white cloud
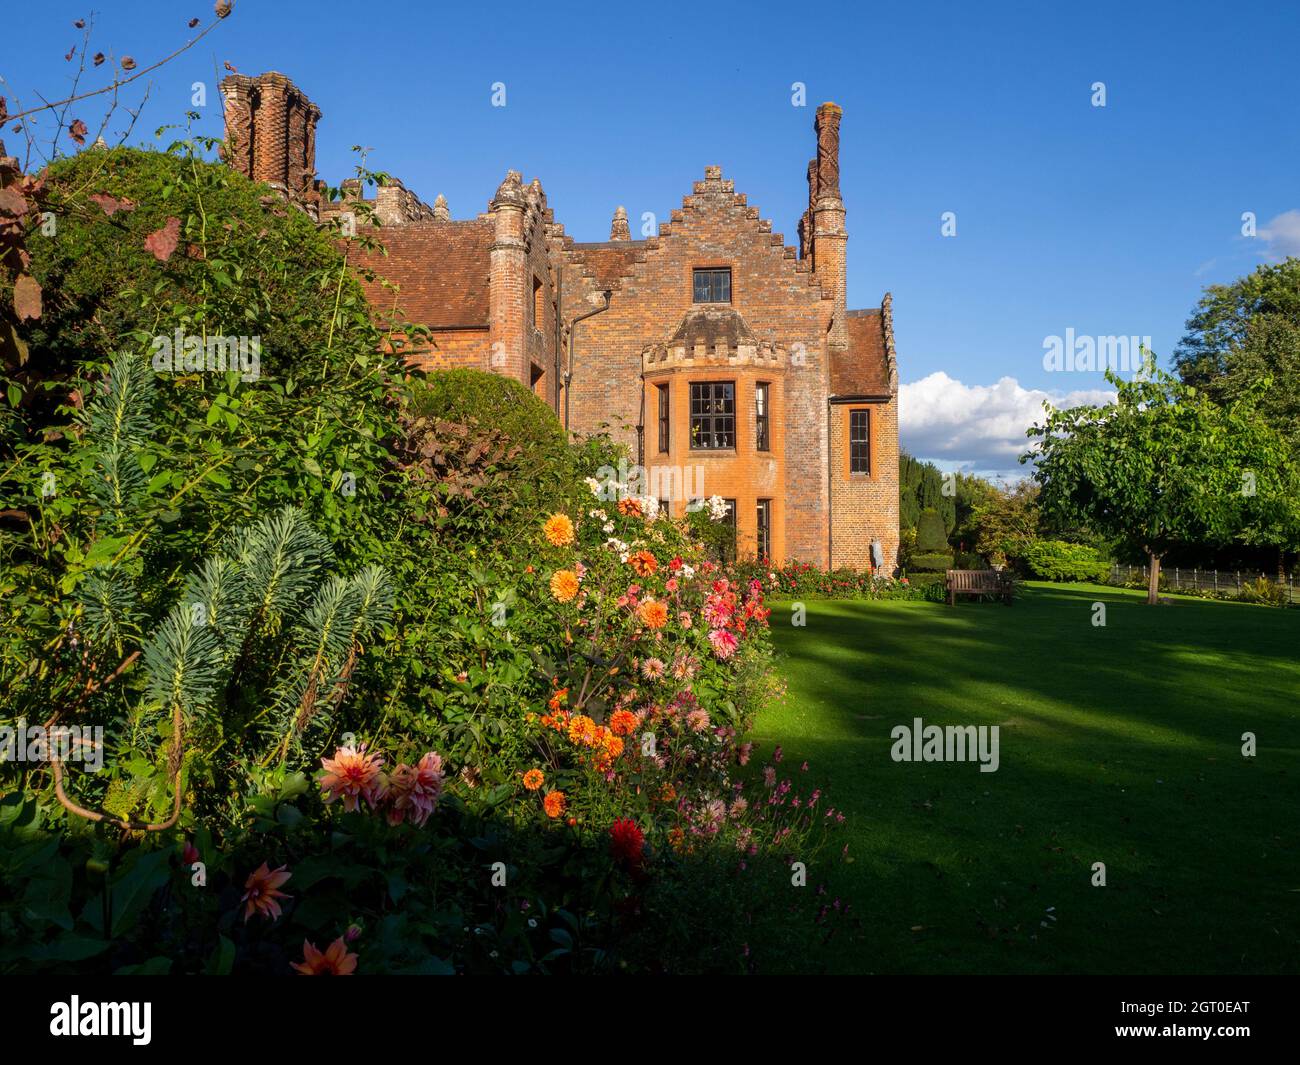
977, 428
1283, 233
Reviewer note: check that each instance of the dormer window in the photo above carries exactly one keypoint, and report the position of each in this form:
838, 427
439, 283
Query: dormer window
713, 285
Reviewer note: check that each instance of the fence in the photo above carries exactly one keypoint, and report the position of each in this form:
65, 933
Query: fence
1218, 582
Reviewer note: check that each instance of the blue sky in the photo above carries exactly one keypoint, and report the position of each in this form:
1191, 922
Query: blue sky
1105, 220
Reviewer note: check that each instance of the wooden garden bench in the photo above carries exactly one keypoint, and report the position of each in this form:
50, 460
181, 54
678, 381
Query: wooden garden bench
979, 582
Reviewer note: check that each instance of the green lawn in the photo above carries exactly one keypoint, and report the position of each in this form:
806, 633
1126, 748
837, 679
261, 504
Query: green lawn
1119, 744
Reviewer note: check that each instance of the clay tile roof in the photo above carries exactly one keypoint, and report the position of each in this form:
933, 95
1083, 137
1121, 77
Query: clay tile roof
863, 370
443, 269
707, 325
609, 260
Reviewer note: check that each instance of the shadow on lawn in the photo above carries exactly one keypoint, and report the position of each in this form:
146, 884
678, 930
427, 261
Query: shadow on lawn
1144, 661
1118, 744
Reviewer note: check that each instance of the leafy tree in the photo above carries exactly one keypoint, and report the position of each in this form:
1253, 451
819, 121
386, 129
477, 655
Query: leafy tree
1240, 335
1007, 522
972, 493
1164, 466
920, 487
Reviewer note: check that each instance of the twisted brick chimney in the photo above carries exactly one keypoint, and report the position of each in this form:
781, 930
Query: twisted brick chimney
271, 133
826, 214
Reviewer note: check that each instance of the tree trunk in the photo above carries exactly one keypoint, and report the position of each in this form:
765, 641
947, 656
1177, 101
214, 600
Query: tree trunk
1153, 584
1281, 564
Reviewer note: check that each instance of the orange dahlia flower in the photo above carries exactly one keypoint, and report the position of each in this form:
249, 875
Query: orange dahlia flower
554, 803
335, 961
629, 507
559, 530
353, 774
653, 614
644, 563
564, 585
622, 722
262, 892
582, 730
534, 779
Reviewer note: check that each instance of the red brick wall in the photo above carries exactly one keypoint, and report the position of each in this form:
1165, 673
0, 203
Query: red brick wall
865, 507
522, 344
775, 294
454, 349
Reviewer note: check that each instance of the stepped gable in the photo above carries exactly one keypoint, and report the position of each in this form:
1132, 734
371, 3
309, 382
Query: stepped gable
713, 192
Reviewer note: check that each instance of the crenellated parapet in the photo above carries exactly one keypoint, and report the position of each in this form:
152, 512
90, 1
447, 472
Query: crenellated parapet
713, 337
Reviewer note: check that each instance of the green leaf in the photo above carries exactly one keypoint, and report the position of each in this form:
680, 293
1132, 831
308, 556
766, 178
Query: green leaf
104, 550
222, 959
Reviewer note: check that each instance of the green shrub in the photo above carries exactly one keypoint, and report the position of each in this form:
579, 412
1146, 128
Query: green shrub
491, 456
936, 562
1264, 592
930, 534
465, 395
1055, 560
969, 560
906, 545
240, 266
932, 552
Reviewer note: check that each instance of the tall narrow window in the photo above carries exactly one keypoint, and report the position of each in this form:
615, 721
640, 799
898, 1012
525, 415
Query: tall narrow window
761, 417
539, 304
764, 529
713, 415
663, 419
860, 441
712, 286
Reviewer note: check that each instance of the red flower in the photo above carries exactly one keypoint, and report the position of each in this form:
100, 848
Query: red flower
626, 843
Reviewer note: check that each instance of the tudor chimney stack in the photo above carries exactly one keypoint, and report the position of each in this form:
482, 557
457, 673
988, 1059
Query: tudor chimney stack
271, 133
825, 219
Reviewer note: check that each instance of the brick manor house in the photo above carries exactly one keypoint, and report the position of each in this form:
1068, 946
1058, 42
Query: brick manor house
728, 362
